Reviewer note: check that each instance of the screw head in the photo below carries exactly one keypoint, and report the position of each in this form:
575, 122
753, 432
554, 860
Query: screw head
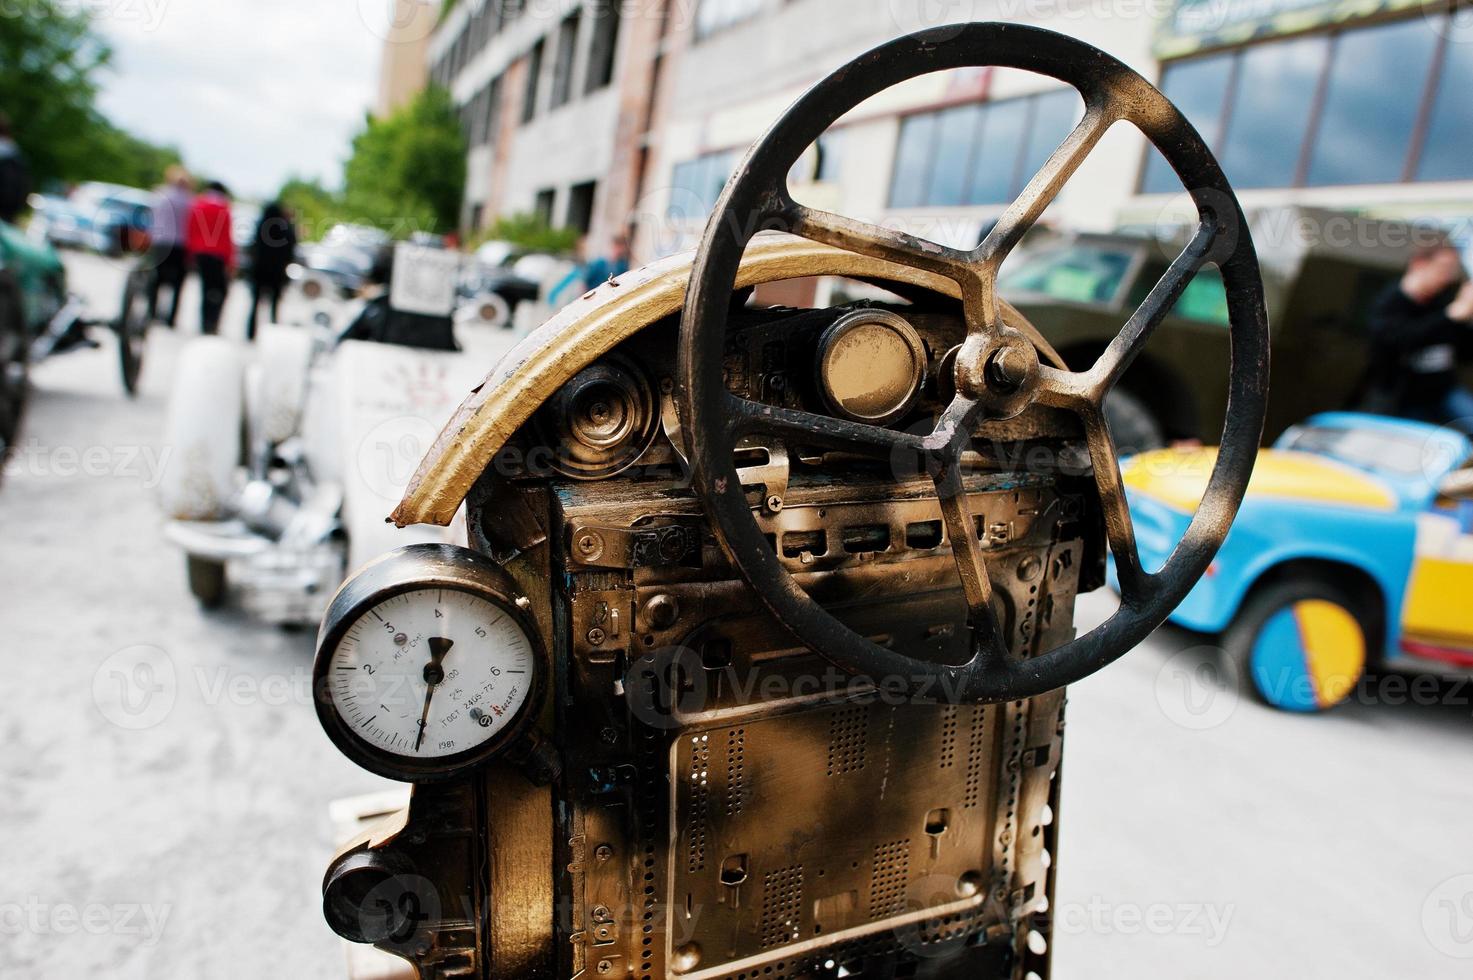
1007, 370
774, 503
596, 636
605, 967
604, 853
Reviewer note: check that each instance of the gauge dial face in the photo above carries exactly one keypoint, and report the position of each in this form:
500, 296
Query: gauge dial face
431, 673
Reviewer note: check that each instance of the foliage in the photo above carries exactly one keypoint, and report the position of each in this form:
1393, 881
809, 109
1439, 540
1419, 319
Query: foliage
315, 207
532, 234
407, 171
49, 62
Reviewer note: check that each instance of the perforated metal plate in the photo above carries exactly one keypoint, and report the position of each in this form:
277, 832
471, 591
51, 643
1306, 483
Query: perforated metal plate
812, 828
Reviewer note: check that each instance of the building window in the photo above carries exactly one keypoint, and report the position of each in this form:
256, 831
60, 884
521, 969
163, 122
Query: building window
534, 81
605, 42
1447, 154
580, 206
1376, 83
1339, 108
981, 153
717, 15
542, 205
696, 184
562, 69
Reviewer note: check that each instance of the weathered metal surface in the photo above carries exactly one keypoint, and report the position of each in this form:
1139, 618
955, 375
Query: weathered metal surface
766, 685
592, 326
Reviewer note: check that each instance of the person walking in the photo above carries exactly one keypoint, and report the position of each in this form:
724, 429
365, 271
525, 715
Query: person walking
170, 263
273, 248
1421, 329
212, 251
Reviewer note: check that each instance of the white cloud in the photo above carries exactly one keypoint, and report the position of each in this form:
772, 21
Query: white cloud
252, 91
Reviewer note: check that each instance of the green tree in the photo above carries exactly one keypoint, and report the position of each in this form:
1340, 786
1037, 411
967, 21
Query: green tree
50, 59
316, 208
407, 171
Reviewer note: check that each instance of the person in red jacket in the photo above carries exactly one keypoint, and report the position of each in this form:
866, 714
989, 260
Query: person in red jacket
211, 248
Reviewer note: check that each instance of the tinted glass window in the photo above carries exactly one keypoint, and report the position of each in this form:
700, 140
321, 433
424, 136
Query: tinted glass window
1081, 273
1054, 115
1448, 153
996, 169
1376, 85
1198, 88
954, 141
1272, 101
912, 162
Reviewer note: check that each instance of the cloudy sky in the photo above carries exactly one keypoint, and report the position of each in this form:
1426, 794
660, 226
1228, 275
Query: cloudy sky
252, 91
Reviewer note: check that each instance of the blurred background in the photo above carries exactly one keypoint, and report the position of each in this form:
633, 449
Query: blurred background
242, 169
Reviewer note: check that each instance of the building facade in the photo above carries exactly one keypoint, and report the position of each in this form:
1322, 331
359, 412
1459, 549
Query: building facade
403, 65
641, 108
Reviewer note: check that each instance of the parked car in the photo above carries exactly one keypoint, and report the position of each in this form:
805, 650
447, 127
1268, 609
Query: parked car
112, 219
1353, 549
1319, 290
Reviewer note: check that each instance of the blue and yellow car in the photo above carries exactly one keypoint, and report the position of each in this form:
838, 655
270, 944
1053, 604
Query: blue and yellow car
1353, 549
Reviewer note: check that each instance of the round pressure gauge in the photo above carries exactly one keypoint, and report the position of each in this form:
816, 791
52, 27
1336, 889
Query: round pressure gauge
426, 664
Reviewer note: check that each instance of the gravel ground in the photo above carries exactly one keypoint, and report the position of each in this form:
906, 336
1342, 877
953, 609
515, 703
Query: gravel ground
166, 785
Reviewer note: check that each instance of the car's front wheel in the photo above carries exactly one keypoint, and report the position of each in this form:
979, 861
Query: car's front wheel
1300, 644
206, 581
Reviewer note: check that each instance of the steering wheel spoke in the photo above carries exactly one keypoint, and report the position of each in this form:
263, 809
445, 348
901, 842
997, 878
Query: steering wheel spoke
799, 428
971, 564
1127, 345
876, 241
1119, 528
1041, 191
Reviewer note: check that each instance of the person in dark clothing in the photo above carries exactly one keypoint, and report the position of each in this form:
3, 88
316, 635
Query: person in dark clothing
15, 178
1421, 329
212, 250
273, 248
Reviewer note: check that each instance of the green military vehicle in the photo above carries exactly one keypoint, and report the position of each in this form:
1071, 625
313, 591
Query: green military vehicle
1322, 271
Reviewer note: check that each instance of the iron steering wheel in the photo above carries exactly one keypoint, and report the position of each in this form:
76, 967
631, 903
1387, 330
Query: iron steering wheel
997, 375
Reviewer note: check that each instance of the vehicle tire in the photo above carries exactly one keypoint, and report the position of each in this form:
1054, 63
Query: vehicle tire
1133, 425
206, 581
1301, 644
14, 361
132, 330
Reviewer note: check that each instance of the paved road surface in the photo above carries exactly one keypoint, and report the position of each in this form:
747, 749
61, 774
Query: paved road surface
185, 835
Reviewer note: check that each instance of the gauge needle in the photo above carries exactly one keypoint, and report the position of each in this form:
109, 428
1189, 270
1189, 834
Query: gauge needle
434, 674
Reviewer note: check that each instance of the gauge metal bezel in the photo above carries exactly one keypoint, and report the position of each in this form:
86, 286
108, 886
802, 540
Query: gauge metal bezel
411, 569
